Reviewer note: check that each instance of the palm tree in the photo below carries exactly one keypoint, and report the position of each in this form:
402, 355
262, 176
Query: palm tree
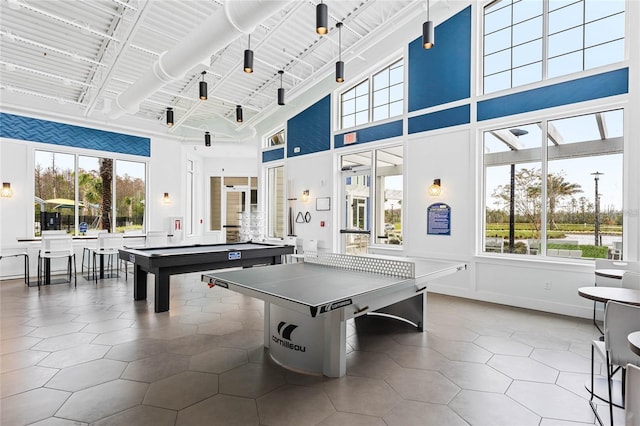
557, 189
106, 173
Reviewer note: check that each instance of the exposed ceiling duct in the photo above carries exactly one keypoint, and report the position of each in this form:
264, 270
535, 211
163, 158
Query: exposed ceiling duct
216, 32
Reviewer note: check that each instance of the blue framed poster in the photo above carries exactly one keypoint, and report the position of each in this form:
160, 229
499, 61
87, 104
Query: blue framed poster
439, 219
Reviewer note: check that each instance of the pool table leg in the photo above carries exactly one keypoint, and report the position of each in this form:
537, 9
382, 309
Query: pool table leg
162, 291
139, 283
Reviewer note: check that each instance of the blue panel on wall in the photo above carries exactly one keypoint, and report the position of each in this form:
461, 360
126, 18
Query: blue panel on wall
584, 89
373, 133
35, 130
440, 119
272, 155
310, 130
442, 74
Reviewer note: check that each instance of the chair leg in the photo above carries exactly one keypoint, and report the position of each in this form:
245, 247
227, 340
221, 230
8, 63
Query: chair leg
609, 385
75, 272
592, 391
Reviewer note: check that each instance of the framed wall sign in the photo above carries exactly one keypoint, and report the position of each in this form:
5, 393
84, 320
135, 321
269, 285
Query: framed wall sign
323, 204
439, 219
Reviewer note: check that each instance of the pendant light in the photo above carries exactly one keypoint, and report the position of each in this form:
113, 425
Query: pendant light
428, 40
169, 117
248, 58
322, 18
281, 90
207, 139
339, 64
239, 117
203, 88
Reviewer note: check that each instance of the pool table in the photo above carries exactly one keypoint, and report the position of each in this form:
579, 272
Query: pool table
170, 260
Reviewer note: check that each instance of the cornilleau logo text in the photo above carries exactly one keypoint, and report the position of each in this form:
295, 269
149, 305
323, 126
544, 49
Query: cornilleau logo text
285, 330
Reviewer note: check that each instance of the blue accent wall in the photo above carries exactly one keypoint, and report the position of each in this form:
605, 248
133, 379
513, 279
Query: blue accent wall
272, 155
310, 130
584, 89
371, 134
440, 119
35, 130
442, 74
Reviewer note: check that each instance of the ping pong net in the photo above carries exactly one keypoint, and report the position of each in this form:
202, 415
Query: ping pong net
374, 265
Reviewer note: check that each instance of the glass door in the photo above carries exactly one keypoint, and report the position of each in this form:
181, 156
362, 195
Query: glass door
356, 208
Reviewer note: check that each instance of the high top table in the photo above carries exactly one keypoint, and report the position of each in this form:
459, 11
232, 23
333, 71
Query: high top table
604, 294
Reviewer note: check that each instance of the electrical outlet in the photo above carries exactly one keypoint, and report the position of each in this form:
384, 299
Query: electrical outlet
547, 285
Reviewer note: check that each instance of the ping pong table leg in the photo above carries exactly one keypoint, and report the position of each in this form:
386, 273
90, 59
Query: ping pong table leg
267, 323
335, 344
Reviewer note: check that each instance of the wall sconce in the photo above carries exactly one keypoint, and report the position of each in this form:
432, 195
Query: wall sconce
305, 196
207, 139
166, 199
6, 192
435, 189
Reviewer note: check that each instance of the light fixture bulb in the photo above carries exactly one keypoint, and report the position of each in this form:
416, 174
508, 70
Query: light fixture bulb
339, 64
248, 58
281, 90
203, 88
6, 192
239, 115
169, 117
435, 189
322, 19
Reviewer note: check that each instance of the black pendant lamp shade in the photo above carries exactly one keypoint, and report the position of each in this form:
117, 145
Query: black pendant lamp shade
322, 19
339, 64
428, 39
248, 58
207, 139
169, 117
281, 90
239, 117
203, 88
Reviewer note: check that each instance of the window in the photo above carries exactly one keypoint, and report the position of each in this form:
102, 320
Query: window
275, 202
130, 195
578, 35
575, 164
99, 196
54, 180
191, 199
379, 97
276, 139
365, 203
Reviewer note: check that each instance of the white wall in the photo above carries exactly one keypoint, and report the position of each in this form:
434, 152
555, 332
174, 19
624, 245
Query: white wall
453, 155
315, 173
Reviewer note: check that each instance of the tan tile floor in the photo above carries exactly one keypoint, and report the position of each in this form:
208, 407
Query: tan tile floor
92, 355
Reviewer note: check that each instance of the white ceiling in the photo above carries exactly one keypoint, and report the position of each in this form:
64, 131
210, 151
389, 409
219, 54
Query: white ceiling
78, 56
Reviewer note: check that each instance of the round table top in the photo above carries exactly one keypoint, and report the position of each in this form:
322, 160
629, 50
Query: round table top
634, 342
604, 294
611, 273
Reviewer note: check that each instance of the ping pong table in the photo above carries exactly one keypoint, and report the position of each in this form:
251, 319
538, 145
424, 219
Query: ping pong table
307, 304
170, 260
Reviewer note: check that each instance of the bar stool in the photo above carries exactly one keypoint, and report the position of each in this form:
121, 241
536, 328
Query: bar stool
108, 245
26, 263
56, 246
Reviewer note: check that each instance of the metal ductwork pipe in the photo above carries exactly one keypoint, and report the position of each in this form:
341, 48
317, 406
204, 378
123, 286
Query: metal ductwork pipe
216, 32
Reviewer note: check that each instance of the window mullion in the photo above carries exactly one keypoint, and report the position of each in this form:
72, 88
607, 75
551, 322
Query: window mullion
543, 183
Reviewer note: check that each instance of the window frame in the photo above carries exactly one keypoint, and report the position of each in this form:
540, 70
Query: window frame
369, 79
545, 119
77, 153
546, 37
